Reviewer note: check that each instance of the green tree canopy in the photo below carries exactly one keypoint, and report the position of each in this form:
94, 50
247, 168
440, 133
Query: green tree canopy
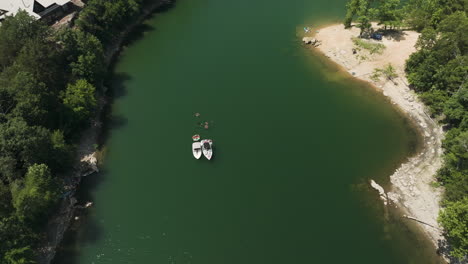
22, 255
84, 53
454, 219
15, 31
5, 200
361, 11
21, 146
33, 196
389, 13
80, 99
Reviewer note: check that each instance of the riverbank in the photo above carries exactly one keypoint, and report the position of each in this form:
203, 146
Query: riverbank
411, 188
86, 155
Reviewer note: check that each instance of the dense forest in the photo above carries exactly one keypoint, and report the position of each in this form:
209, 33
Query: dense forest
438, 72
49, 84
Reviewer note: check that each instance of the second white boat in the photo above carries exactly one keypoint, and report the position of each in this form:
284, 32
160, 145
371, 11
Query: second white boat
197, 150
207, 148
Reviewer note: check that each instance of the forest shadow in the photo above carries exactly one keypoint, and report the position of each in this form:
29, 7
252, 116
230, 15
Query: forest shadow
140, 30
82, 230
110, 121
86, 229
137, 34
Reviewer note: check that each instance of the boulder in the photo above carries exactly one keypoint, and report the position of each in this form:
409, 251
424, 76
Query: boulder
309, 40
89, 164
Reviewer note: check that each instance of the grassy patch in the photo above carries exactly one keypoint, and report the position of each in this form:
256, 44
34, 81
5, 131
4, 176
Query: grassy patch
434, 184
388, 71
371, 47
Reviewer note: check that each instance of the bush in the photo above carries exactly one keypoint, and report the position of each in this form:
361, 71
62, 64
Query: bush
373, 48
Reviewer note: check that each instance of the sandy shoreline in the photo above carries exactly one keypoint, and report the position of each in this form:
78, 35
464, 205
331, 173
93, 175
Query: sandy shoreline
410, 190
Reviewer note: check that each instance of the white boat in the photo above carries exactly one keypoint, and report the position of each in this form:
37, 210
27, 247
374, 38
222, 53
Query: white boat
197, 150
207, 148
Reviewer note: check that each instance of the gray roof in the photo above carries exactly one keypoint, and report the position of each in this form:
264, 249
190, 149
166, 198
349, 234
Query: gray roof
13, 6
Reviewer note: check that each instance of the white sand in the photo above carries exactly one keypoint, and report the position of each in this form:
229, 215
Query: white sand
410, 183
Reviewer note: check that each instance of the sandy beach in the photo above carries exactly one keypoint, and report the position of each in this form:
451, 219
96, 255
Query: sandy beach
411, 190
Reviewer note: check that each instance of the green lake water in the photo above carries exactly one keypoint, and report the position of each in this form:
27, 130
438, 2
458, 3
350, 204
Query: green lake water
296, 142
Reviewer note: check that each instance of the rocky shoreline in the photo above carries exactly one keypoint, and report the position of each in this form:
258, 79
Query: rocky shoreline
86, 156
411, 189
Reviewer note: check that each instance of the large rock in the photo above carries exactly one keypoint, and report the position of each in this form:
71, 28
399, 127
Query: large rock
309, 40
89, 164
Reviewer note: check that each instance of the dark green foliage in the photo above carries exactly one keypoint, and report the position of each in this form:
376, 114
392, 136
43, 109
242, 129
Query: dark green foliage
79, 101
28, 98
435, 100
5, 200
104, 18
439, 71
21, 146
48, 83
33, 196
389, 13
454, 218
15, 32
17, 239
83, 53
20, 256
361, 11
421, 14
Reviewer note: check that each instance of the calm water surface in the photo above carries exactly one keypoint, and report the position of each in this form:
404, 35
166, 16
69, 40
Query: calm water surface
296, 143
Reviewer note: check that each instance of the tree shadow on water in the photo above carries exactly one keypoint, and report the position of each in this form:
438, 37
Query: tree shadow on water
139, 31
137, 34
86, 230
111, 121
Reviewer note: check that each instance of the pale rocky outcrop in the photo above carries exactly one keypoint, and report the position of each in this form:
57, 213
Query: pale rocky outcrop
309, 40
89, 164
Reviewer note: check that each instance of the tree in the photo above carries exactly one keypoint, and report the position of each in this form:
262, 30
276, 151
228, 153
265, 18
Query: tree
454, 220
84, 53
15, 32
79, 98
33, 196
455, 27
388, 71
427, 39
22, 255
454, 111
435, 99
21, 146
31, 98
389, 13
41, 58
360, 9
5, 200
351, 9
61, 157
15, 236
104, 18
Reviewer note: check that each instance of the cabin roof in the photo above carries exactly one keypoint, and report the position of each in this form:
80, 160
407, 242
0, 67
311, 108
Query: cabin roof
14, 6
